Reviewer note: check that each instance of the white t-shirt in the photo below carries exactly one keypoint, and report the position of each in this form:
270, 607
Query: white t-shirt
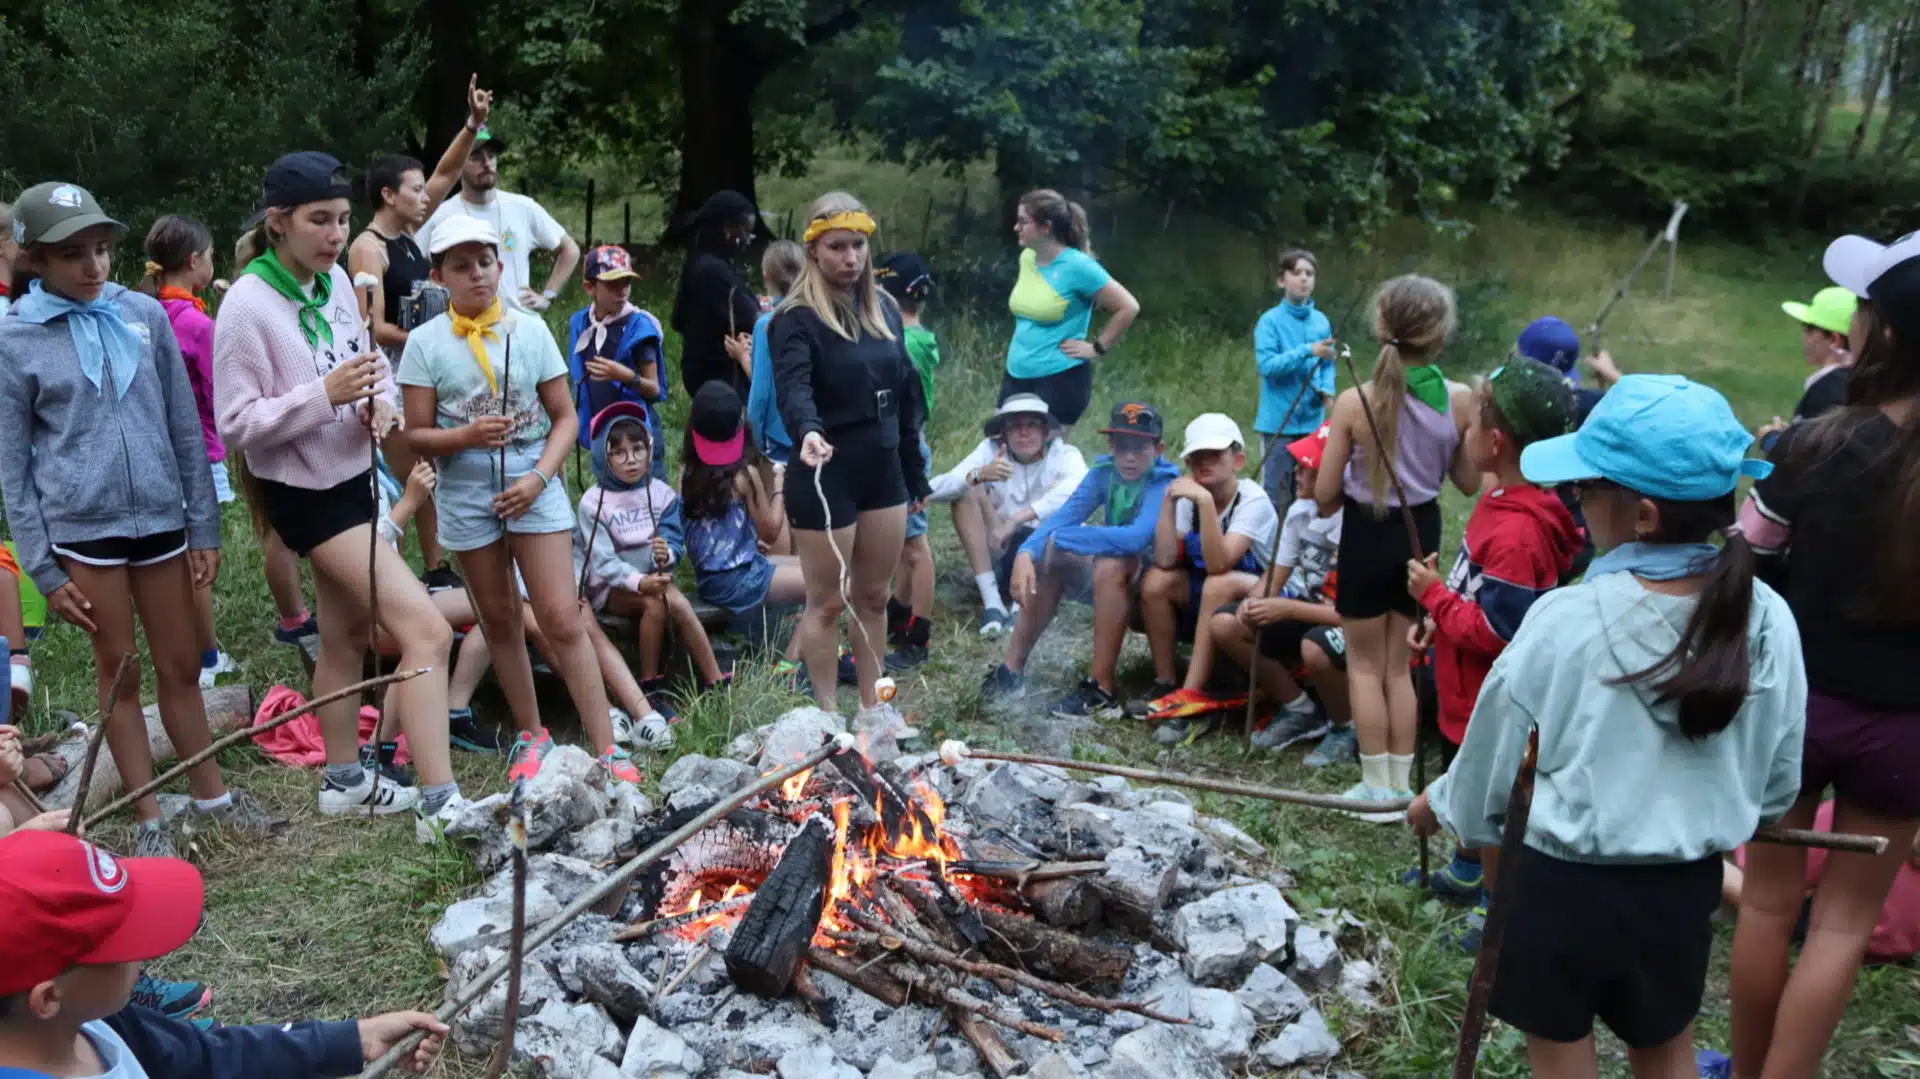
114, 1052
522, 225
1309, 545
1250, 514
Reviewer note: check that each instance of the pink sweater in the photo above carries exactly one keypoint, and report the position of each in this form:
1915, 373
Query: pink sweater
194, 331
269, 393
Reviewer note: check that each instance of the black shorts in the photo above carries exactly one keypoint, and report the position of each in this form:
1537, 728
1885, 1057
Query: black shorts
1003, 565
1373, 559
1067, 393
305, 518
855, 481
1282, 641
120, 551
1627, 945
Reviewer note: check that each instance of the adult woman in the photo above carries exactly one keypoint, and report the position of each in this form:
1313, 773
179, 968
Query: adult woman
403, 197
297, 389
715, 308
1053, 299
848, 396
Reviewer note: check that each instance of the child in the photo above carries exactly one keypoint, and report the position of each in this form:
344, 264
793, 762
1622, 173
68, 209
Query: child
780, 267
8, 252
106, 485
629, 536
1520, 542
461, 386
1421, 417
179, 268
614, 349
1215, 535
907, 279
1824, 324
75, 924
1669, 697
1065, 554
1292, 344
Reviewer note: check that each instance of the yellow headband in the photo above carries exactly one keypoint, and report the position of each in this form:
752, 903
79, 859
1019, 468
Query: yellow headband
853, 220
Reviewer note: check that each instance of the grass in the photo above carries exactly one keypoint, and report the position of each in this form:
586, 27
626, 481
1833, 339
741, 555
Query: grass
332, 920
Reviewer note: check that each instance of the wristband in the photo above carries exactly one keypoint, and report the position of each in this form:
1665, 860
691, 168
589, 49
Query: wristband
551, 295
1098, 348
545, 481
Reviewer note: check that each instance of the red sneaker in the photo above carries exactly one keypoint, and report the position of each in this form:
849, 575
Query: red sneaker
620, 766
529, 750
1187, 703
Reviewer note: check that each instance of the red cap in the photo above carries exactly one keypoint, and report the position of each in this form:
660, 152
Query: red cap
66, 903
1307, 450
632, 410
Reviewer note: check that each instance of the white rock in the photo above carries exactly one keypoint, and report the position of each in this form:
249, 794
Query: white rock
1006, 796
567, 793
629, 804
477, 1029
1054, 1066
814, 1062
653, 1051
1152, 832
796, 734
563, 877
600, 973
1229, 932
723, 776
487, 919
480, 829
1224, 1024
1159, 1051
598, 842
1229, 835
570, 1041
1271, 997
692, 798
1177, 812
1316, 959
1305, 1041
1356, 985
920, 1067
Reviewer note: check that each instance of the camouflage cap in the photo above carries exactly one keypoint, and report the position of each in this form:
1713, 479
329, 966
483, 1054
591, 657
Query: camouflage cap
1533, 399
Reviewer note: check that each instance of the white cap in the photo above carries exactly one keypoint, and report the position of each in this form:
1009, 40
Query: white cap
461, 229
1017, 405
1211, 431
1855, 262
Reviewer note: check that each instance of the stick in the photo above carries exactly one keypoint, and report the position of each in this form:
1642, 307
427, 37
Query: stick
506, 406
1386, 458
1023, 873
1499, 909
366, 282
586, 563
1840, 841
516, 943
1670, 234
620, 879
705, 953
1273, 549
79, 810
20, 787
877, 984
241, 735
1221, 786
639, 930
985, 1041
1420, 786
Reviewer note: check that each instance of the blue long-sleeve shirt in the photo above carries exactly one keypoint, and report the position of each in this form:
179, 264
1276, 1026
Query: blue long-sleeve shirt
167, 1048
1066, 529
763, 411
1283, 343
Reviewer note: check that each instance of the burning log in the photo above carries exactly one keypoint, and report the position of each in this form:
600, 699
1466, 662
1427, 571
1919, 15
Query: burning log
901, 816
869, 979
1067, 902
785, 912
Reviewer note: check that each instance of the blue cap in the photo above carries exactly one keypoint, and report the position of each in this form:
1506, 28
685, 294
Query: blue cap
1552, 342
1660, 435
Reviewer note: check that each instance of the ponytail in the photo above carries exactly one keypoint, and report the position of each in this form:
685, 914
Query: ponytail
255, 494
171, 244
1389, 386
251, 245
1412, 316
1066, 220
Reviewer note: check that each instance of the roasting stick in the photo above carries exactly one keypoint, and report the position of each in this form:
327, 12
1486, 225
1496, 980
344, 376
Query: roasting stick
74, 819
619, 879
1499, 908
517, 942
366, 283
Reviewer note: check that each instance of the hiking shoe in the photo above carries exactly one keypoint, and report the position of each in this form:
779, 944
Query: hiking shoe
1187, 703
1340, 746
1001, 682
1289, 727
243, 814
620, 767
1144, 707
1186, 729
430, 828
381, 757
468, 733
1090, 701
1711, 1065
442, 578
338, 801
175, 1000
1363, 792
995, 622
1458, 881
1469, 938
530, 750
905, 658
152, 841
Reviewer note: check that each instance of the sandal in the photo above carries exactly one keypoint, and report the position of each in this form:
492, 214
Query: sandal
53, 769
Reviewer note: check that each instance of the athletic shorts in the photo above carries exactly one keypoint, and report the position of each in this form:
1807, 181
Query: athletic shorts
856, 481
1003, 563
7, 562
120, 551
1627, 945
1067, 393
469, 480
1869, 756
1282, 641
305, 518
1373, 559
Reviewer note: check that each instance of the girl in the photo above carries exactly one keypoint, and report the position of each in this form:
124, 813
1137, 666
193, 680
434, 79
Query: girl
179, 268
106, 484
714, 304
1421, 417
8, 252
1833, 526
779, 268
470, 406
628, 538
1668, 695
846, 388
403, 198
1060, 284
299, 389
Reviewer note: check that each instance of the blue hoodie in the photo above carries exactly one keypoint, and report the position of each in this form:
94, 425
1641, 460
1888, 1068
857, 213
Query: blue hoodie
763, 413
1066, 529
1283, 343
639, 329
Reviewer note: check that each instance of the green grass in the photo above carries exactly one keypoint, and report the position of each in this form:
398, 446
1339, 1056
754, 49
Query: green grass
332, 920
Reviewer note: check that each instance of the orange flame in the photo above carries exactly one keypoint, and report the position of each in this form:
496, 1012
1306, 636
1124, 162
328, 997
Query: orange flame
793, 788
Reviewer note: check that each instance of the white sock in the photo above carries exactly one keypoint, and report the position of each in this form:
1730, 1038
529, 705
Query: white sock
1400, 770
989, 591
1374, 770
1300, 706
211, 804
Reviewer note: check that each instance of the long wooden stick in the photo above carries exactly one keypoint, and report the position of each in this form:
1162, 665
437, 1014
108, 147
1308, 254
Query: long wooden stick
1219, 786
587, 901
20, 787
242, 735
373, 560
1499, 909
517, 941
1386, 457
79, 811
1840, 841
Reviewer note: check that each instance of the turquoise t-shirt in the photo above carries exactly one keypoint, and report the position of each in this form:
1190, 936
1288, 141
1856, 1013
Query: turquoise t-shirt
1051, 304
436, 357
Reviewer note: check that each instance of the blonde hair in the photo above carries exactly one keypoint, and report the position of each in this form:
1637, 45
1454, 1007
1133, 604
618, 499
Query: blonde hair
781, 265
860, 308
1412, 316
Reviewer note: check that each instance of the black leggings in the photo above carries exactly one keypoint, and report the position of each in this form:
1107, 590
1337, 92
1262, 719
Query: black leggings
1067, 393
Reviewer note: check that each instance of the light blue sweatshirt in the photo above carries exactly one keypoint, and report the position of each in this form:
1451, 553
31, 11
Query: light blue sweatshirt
1618, 781
1066, 527
762, 413
1283, 343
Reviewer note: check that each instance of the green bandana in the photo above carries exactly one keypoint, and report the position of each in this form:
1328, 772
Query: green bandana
1123, 499
1428, 386
313, 324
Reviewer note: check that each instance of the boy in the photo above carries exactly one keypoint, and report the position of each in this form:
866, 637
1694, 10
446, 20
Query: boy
75, 923
1824, 325
614, 349
1214, 536
1292, 344
1519, 543
1126, 486
907, 279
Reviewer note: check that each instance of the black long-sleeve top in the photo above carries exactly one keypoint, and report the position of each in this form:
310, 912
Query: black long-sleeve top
718, 302
826, 383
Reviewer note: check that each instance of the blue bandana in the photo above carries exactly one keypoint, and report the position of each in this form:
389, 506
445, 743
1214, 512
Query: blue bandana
100, 335
1656, 561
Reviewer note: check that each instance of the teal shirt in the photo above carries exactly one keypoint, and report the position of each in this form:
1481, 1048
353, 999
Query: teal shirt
1618, 781
1051, 304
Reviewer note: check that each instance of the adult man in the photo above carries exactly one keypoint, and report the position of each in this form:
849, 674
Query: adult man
520, 222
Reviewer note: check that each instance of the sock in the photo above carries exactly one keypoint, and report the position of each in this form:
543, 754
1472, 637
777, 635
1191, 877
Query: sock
898, 613
460, 713
296, 621
437, 795
989, 587
346, 776
1300, 706
1400, 770
387, 751
210, 658
210, 804
919, 630
1374, 772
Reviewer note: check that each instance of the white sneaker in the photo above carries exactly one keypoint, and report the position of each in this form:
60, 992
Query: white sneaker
390, 798
430, 828
623, 732
224, 664
652, 732
208, 676
1365, 793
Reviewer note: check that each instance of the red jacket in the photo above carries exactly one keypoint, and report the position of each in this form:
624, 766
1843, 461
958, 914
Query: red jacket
1520, 541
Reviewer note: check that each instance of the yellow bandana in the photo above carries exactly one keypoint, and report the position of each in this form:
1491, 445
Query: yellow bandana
476, 330
855, 220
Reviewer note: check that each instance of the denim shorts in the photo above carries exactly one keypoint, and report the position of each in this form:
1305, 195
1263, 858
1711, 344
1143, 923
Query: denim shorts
464, 498
917, 519
222, 486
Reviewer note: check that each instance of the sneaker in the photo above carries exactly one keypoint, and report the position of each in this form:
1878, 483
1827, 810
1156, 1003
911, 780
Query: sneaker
1469, 938
1143, 707
1187, 703
466, 732
387, 798
845, 671
152, 841
175, 1000
1363, 792
1001, 682
652, 732
1459, 880
430, 828
1340, 746
620, 767
381, 757
1711, 1065
222, 664
1089, 701
301, 636
529, 752
899, 621
905, 658
658, 683
1186, 729
243, 814
442, 578
1290, 727
718, 685
995, 622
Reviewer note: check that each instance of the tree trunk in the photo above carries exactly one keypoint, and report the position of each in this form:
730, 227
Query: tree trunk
719, 74
1809, 36
1747, 14
1880, 59
454, 59
1899, 67
1832, 65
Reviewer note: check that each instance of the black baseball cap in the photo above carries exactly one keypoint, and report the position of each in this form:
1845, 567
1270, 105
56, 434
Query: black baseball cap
299, 178
1135, 418
717, 420
905, 276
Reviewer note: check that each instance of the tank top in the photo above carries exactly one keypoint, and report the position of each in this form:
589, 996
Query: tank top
406, 267
1422, 454
718, 544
